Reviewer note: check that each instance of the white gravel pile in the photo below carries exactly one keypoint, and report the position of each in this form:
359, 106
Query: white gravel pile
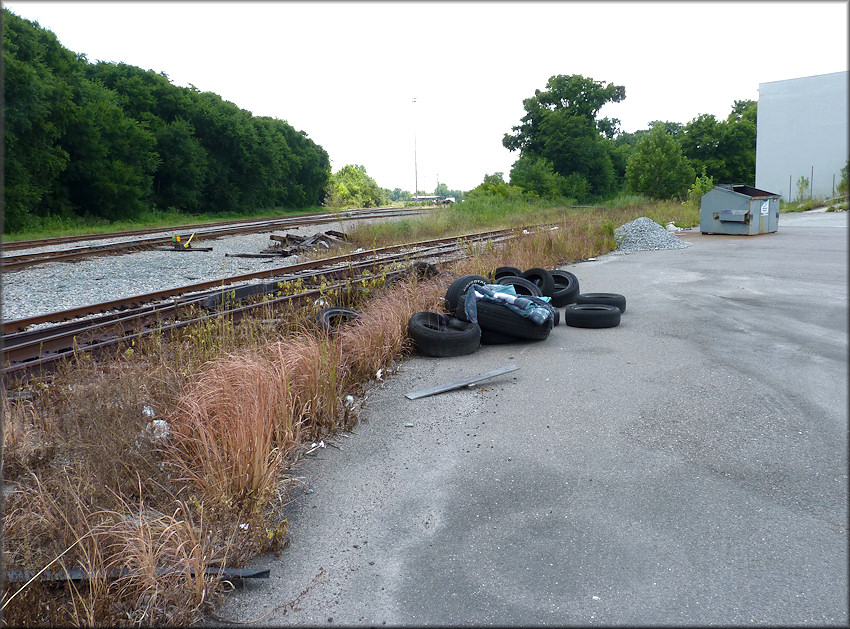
644, 234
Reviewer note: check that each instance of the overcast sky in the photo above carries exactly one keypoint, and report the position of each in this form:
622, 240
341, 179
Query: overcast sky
346, 73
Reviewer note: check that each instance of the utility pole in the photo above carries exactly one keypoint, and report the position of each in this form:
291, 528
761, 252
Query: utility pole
415, 166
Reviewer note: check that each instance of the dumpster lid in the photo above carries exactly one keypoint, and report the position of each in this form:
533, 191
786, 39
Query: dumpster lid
749, 191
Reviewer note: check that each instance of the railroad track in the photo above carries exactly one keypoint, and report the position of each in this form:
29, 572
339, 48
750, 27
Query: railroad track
28, 347
146, 239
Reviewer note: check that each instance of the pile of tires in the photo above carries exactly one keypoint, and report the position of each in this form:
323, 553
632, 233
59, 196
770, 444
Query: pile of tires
498, 323
442, 335
581, 310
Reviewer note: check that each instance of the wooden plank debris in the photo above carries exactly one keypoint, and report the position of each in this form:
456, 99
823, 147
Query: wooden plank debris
291, 244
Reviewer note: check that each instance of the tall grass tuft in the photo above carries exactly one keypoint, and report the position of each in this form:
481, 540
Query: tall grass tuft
232, 427
317, 376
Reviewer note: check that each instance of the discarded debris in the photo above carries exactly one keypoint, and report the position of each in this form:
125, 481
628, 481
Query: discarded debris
76, 574
460, 384
315, 446
182, 248
290, 244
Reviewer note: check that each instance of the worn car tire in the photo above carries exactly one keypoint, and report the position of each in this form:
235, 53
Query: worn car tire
500, 318
456, 292
506, 271
609, 299
592, 316
425, 270
330, 319
566, 288
490, 337
442, 336
521, 285
542, 278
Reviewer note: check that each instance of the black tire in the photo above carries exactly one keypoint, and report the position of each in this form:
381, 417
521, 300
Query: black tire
566, 288
489, 337
556, 314
506, 271
609, 299
592, 316
442, 336
500, 318
542, 278
331, 318
521, 285
425, 270
456, 293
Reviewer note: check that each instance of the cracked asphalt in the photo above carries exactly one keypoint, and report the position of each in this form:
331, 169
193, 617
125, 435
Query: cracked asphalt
688, 467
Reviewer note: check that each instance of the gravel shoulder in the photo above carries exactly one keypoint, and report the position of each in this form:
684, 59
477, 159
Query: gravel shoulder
688, 467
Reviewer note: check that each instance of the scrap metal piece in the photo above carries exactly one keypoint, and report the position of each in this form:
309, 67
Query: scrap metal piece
460, 384
76, 574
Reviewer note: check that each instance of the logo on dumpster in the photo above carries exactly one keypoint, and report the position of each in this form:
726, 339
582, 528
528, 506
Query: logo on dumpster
765, 207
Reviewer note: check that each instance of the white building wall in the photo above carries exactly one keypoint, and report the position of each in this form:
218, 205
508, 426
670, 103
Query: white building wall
802, 131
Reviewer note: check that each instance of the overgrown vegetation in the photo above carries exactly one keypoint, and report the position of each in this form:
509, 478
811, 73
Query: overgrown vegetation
177, 456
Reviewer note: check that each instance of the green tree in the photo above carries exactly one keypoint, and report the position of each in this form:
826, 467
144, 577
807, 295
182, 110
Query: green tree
657, 168
112, 156
738, 142
37, 106
537, 176
842, 183
495, 185
351, 187
726, 149
701, 186
560, 125
397, 194
444, 191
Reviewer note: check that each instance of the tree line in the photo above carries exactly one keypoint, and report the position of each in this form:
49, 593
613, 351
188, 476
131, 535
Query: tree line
114, 141
566, 150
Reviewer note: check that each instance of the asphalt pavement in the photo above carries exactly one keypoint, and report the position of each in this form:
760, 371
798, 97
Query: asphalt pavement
688, 467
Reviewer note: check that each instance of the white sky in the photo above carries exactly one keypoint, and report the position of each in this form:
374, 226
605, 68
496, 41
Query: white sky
346, 72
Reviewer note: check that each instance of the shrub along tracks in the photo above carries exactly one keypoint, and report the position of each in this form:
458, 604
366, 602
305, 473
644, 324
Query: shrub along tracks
109, 324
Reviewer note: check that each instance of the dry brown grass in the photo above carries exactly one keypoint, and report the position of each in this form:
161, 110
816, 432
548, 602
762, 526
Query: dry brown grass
231, 428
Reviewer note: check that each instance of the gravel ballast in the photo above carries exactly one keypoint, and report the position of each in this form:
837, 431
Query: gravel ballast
57, 286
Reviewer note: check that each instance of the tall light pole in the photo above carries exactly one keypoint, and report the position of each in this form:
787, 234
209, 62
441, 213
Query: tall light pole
415, 166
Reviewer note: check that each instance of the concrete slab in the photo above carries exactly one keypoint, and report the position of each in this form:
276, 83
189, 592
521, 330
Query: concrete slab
688, 467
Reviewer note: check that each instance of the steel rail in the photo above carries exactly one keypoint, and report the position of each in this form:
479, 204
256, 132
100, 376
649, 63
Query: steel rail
18, 261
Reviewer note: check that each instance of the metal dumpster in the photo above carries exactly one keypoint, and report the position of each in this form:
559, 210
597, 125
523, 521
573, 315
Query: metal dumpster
738, 209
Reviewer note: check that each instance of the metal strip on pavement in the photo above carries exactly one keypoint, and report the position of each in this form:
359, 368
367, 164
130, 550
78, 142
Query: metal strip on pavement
461, 383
